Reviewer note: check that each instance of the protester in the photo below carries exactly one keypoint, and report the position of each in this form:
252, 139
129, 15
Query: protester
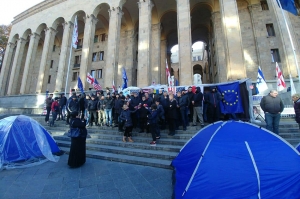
172, 114
213, 99
197, 104
49, 101
142, 113
77, 155
62, 106
272, 105
108, 103
86, 112
126, 117
73, 106
101, 112
296, 100
92, 108
81, 101
55, 110
152, 121
183, 102
190, 94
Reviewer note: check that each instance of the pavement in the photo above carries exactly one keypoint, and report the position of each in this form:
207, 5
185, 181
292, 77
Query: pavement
96, 179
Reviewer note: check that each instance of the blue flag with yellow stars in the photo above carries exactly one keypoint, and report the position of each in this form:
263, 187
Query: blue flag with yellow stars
231, 101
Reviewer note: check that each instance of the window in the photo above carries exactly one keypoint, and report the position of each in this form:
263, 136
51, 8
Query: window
51, 65
199, 58
49, 79
270, 30
99, 74
93, 72
103, 37
75, 76
264, 5
96, 39
194, 59
275, 55
94, 57
101, 58
79, 44
54, 46
77, 61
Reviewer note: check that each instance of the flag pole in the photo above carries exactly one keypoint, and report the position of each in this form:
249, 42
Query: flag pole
291, 40
67, 79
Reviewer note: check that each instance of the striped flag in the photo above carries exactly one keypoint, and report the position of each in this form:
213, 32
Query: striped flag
90, 79
96, 85
280, 80
75, 34
261, 84
168, 74
113, 86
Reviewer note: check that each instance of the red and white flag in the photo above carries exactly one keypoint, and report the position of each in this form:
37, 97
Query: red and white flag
280, 80
113, 86
168, 74
75, 34
90, 79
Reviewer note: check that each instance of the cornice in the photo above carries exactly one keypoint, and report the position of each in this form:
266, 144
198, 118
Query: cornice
36, 9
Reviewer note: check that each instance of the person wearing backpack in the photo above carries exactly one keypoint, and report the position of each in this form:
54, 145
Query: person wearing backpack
55, 110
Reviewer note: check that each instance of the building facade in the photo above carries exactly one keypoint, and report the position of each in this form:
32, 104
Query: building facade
239, 36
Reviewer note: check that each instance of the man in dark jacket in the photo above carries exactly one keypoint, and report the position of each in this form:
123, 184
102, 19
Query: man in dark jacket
82, 105
49, 101
133, 105
272, 105
183, 103
198, 111
101, 112
118, 104
190, 94
62, 106
108, 104
213, 105
73, 105
92, 108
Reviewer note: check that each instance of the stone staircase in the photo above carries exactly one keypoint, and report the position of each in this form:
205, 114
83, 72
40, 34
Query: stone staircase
106, 143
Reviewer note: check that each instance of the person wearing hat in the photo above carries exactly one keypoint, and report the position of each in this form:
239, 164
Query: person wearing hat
77, 155
55, 110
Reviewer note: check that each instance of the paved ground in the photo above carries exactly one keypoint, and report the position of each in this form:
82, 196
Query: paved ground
97, 179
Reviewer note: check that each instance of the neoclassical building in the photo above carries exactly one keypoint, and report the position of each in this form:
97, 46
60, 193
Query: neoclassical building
238, 36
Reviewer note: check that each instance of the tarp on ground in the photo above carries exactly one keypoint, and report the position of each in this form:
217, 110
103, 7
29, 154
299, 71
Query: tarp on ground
24, 143
237, 160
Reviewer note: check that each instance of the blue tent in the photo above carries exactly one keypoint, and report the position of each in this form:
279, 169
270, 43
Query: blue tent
24, 141
237, 160
298, 147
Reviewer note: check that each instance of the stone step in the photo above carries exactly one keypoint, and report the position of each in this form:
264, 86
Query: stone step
126, 158
144, 145
164, 155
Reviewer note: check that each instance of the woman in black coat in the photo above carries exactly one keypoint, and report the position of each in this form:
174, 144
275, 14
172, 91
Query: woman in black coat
77, 153
296, 100
172, 114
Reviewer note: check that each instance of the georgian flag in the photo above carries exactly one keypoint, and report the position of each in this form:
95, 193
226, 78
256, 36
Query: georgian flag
170, 83
261, 84
113, 86
90, 79
75, 34
280, 80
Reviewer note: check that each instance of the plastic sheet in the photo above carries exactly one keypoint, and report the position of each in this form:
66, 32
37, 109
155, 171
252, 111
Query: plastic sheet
25, 143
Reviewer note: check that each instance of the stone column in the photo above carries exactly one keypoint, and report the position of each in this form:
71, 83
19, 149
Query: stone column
87, 49
233, 40
144, 45
163, 58
16, 67
155, 54
113, 43
30, 58
47, 51
184, 42
7, 62
129, 56
64, 56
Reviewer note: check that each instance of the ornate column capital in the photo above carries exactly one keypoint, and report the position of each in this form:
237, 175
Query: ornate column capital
34, 36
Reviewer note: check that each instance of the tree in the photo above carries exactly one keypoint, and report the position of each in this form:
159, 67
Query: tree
4, 35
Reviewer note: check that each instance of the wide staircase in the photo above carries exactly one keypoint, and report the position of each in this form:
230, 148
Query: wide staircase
106, 143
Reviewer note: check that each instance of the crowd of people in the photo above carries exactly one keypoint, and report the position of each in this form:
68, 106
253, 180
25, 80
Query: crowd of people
140, 111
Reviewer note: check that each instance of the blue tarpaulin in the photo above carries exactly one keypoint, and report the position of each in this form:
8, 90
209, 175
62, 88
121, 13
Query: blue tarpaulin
23, 141
237, 160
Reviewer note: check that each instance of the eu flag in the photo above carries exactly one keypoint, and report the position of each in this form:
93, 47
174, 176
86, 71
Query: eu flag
124, 76
288, 5
231, 101
80, 86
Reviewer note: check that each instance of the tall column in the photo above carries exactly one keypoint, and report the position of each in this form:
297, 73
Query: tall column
48, 44
113, 43
30, 58
64, 55
87, 48
155, 54
129, 56
233, 40
16, 66
144, 45
163, 58
7, 62
184, 42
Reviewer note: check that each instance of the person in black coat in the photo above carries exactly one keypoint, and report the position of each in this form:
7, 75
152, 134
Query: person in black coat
183, 103
126, 117
133, 104
92, 108
82, 105
213, 99
77, 155
172, 114
118, 104
296, 100
62, 106
152, 121
143, 115
73, 105
197, 101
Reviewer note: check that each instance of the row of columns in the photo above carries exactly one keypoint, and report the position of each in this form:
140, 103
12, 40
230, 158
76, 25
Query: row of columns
147, 50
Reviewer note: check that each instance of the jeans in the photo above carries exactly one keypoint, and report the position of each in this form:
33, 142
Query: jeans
54, 115
184, 118
272, 121
48, 114
101, 117
108, 116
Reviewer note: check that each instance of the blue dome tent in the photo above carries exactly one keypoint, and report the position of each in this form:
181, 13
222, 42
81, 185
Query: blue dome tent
298, 147
236, 160
24, 142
